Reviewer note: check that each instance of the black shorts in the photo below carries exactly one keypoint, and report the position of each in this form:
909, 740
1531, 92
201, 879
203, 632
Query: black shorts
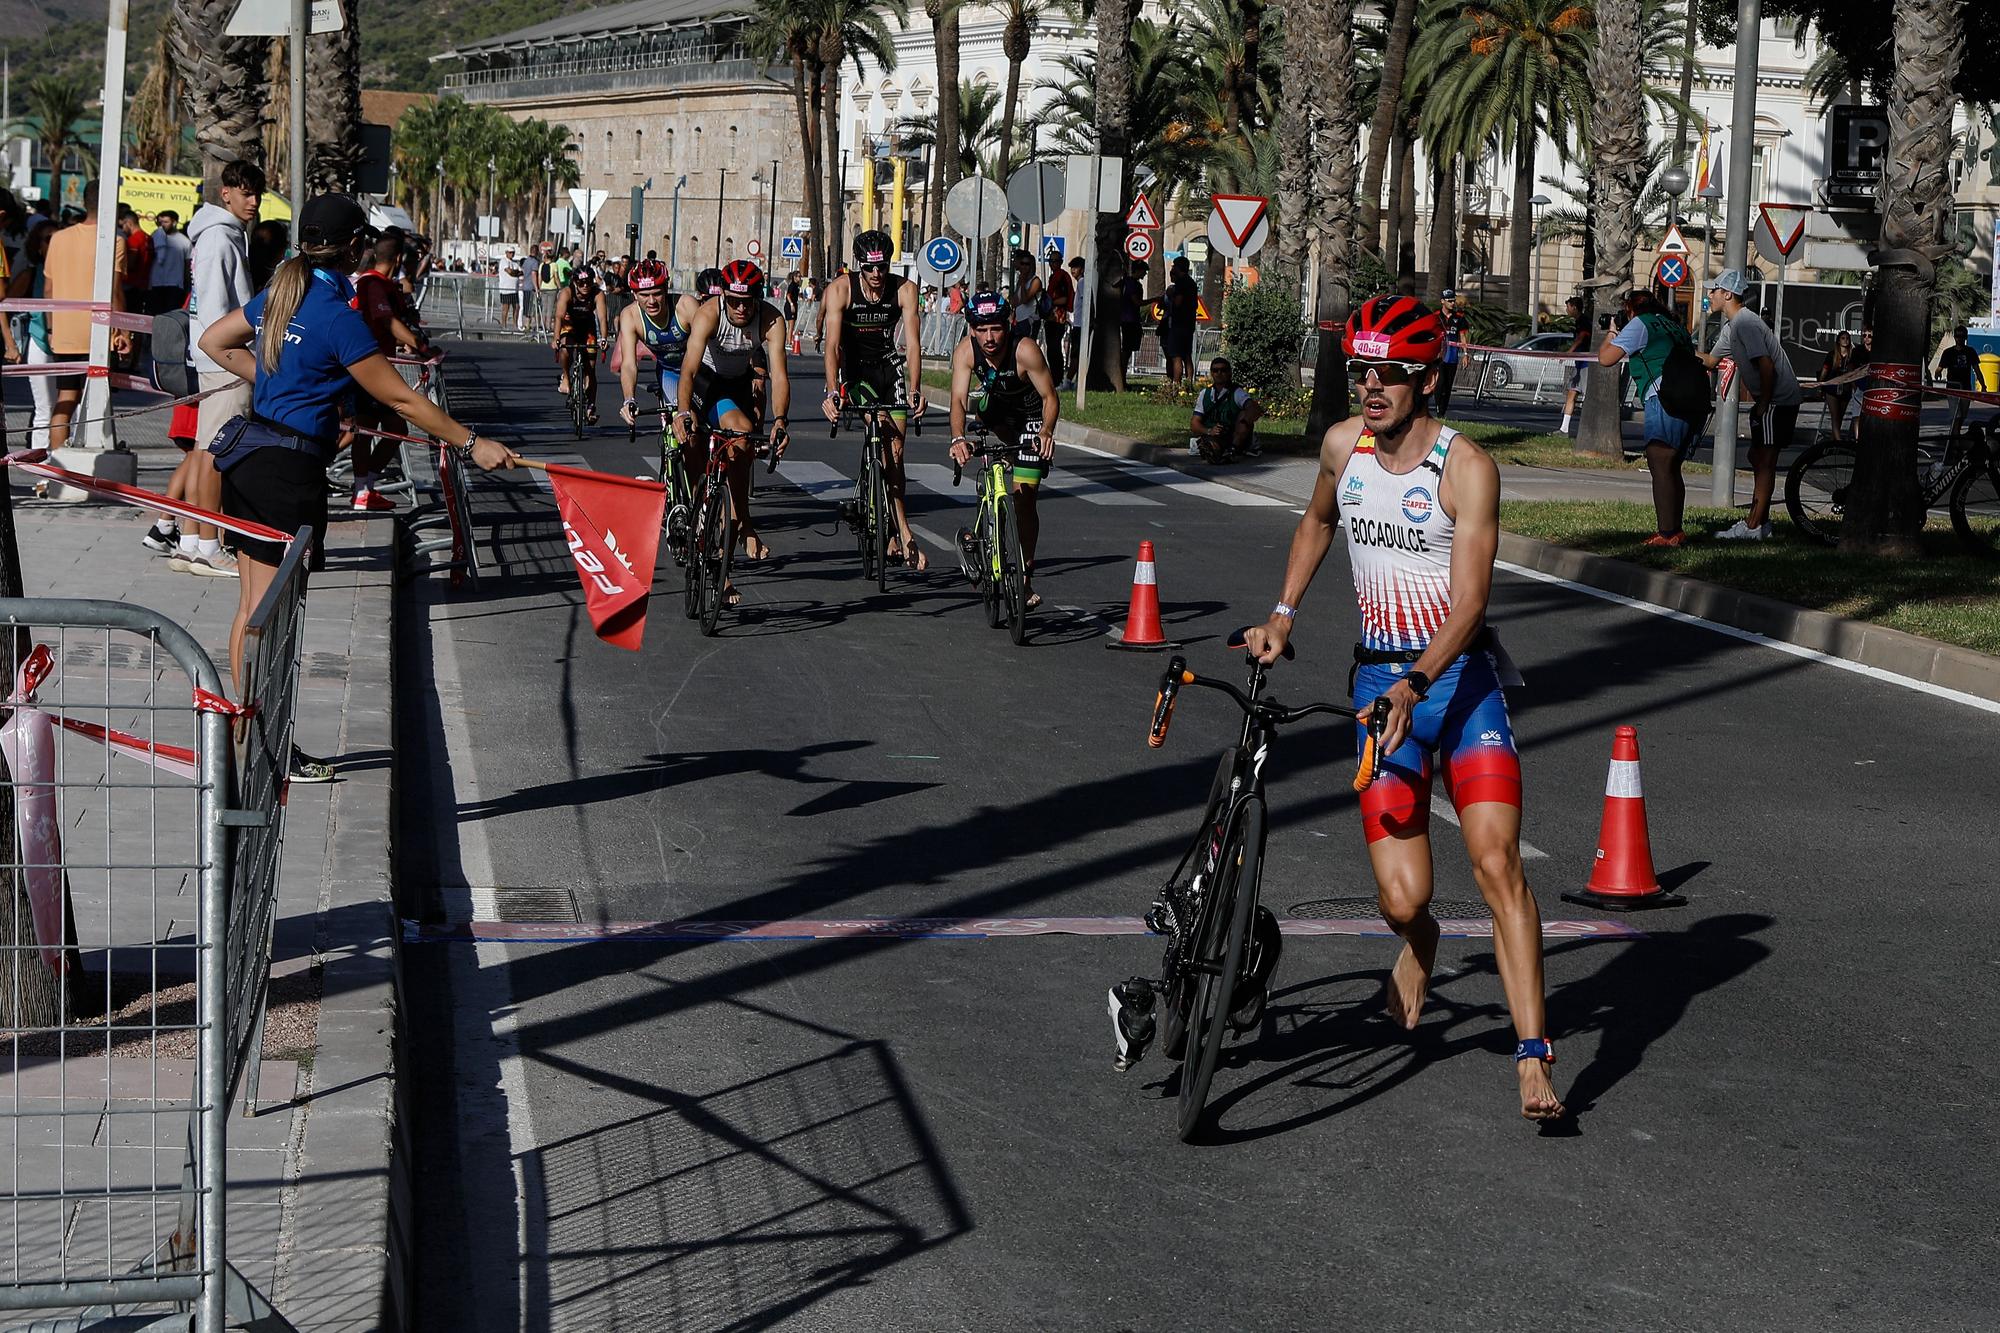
1029, 465
877, 383
716, 396
1774, 426
280, 488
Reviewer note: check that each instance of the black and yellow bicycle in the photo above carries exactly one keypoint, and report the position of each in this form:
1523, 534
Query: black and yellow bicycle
989, 552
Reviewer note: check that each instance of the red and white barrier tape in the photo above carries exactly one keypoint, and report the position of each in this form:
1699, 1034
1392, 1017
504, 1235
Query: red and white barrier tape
32, 462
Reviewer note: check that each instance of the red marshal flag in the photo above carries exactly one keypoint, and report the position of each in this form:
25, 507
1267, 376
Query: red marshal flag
612, 524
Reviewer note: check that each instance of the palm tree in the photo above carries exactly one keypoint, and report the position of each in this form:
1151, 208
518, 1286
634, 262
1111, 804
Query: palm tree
1017, 34
977, 109
333, 107
1382, 129
847, 30
945, 161
224, 82
787, 30
156, 126
1617, 175
1113, 108
1175, 120
55, 111
1507, 71
1316, 178
1885, 510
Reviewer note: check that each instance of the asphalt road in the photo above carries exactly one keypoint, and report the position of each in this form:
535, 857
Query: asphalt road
1783, 1108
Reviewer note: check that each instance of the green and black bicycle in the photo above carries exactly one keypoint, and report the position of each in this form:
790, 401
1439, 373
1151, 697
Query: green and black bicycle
674, 519
989, 552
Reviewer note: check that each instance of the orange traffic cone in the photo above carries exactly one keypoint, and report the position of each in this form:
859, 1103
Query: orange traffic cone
1621, 876
1142, 616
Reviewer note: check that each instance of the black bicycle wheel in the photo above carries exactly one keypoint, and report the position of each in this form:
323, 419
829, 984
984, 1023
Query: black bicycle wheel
576, 392
1975, 508
993, 590
1816, 489
864, 519
1173, 1020
718, 536
1013, 575
884, 521
1220, 941
693, 542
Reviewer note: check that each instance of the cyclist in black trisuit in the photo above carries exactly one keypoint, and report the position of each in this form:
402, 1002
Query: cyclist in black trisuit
580, 314
864, 311
1003, 377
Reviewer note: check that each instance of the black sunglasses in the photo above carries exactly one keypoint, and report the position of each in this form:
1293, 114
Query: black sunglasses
1392, 374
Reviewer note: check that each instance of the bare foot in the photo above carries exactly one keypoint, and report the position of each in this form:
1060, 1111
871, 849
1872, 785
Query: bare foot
1403, 996
1538, 1091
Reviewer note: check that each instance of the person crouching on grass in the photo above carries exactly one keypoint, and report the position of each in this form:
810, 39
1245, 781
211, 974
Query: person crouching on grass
304, 349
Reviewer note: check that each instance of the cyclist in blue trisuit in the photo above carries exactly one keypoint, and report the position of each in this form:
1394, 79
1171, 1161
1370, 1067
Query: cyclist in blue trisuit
1001, 376
1421, 508
659, 320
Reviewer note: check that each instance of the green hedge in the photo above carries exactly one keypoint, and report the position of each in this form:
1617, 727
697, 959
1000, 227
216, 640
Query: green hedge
1262, 334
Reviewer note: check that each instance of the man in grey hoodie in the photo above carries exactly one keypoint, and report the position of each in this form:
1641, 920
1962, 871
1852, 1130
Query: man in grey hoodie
222, 283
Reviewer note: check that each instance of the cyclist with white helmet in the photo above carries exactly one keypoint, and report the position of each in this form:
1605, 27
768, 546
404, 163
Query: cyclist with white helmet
731, 343
999, 373
864, 312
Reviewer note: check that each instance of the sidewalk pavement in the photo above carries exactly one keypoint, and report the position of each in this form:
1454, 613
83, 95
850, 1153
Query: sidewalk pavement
316, 1222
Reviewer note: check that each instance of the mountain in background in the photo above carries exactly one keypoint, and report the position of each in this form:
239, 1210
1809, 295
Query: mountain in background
398, 37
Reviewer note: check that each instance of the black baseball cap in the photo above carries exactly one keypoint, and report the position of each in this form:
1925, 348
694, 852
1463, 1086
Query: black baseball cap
332, 219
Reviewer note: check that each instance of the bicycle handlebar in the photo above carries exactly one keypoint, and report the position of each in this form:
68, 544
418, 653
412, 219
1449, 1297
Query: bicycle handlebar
1276, 714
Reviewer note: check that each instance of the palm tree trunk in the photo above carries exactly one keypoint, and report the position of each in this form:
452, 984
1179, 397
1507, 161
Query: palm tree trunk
808, 141
1333, 214
1444, 227
1382, 129
1521, 295
1007, 113
1243, 108
1299, 122
944, 167
1618, 173
1885, 509
333, 108
834, 239
1114, 139
1406, 202
223, 79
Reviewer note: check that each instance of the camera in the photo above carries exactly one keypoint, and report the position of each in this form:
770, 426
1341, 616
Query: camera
1604, 321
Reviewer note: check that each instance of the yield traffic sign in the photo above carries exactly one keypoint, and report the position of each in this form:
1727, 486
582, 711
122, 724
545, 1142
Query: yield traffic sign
1139, 245
1141, 215
1671, 271
1240, 214
791, 247
1675, 244
588, 202
1786, 225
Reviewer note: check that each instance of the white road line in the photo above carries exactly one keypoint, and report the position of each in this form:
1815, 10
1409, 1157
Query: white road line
1096, 492
815, 478
1180, 481
949, 548
936, 478
1810, 654
1440, 806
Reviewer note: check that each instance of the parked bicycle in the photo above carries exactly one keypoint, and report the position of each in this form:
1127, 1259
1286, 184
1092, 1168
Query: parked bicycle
989, 553
1961, 471
1222, 944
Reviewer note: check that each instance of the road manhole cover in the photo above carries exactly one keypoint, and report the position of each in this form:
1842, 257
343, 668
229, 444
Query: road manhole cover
525, 905
1349, 909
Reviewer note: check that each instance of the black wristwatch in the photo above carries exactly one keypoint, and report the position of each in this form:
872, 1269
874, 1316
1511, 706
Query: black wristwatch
1420, 684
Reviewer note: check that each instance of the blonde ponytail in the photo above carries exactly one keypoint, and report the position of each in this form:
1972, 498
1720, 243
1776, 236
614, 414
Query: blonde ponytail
286, 292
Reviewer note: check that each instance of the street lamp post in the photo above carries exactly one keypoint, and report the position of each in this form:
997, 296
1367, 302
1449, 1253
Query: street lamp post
549, 188
437, 204
674, 238
721, 188
758, 177
1736, 239
1540, 202
492, 166
771, 230
1708, 195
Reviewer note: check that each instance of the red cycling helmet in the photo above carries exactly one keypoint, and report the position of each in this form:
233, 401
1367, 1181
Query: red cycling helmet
1395, 328
742, 277
648, 275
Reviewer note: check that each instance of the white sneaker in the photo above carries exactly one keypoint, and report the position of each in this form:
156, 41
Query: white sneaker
220, 565
1743, 532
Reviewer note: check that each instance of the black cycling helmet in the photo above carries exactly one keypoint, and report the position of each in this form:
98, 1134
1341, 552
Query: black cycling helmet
987, 307
708, 283
873, 247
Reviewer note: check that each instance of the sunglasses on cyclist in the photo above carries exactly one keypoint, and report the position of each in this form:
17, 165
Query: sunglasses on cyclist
1392, 374
882, 267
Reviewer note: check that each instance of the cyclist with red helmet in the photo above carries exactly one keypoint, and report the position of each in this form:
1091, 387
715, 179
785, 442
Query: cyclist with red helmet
1421, 508
580, 314
864, 312
729, 343
998, 372
659, 320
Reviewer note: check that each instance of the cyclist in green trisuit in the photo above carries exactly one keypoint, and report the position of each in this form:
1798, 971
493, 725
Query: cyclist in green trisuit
1003, 378
864, 311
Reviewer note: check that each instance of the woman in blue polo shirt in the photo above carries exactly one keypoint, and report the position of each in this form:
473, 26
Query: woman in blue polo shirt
311, 350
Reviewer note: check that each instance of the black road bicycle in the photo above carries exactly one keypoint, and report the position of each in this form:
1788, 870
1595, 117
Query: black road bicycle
577, 361
711, 541
1964, 474
869, 513
1222, 944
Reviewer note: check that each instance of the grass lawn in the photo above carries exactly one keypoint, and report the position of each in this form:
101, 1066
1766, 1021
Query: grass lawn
1141, 417
1945, 595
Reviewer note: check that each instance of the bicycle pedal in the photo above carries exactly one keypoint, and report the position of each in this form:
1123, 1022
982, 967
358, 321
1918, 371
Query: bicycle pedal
1132, 1026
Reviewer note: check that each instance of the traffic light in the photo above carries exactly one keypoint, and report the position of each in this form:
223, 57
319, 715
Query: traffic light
1017, 234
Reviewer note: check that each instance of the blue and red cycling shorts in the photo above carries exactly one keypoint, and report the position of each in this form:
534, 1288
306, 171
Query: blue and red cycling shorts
1464, 720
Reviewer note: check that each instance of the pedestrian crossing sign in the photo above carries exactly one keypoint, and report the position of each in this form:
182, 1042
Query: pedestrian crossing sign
1141, 216
792, 247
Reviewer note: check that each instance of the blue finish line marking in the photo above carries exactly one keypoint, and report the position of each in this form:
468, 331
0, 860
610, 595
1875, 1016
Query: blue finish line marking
921, 928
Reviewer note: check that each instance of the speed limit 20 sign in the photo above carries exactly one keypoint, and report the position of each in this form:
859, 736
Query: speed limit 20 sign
1139, 245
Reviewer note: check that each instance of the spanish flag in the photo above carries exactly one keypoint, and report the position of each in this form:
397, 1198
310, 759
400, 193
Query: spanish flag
1701, 164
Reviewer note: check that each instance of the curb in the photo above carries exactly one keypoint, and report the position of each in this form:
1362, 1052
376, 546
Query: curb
351, 1241
1941, 664
1944, 665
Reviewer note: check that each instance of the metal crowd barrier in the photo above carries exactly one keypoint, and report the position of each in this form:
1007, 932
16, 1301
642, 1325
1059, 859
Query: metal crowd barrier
271, 650
444, 521
116, 956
